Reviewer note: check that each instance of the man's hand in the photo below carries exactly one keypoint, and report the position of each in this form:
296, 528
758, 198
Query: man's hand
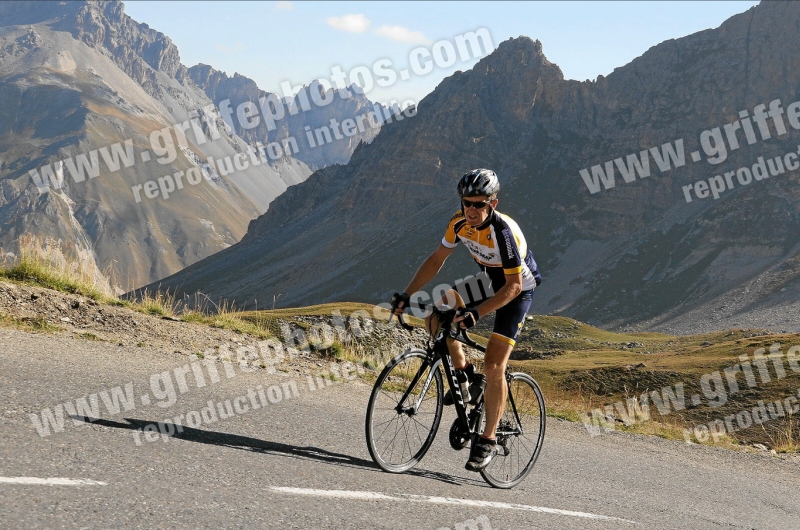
466, 317
399, 303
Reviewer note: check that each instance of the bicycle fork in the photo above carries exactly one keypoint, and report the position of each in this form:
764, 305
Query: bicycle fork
412, 410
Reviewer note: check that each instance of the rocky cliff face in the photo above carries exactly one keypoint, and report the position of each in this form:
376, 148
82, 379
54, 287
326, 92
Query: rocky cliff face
105, 27
239, 89
637, 254
78, 77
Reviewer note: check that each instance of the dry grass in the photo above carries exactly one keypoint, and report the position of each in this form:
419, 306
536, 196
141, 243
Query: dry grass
48, 264
52, 264
788, 438
159, 304
37, 324
224, 316
357, 353
590, 368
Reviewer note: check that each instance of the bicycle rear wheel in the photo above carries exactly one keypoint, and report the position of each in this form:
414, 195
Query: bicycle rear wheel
520, 434
399, 434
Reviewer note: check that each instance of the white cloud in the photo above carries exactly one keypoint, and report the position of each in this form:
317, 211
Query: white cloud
238, 47
401, 34
286, 6
352, 23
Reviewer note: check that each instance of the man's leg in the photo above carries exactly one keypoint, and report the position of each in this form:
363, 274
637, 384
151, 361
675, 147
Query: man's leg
453, 300
495, 361
459, 360
457, 354
507, 325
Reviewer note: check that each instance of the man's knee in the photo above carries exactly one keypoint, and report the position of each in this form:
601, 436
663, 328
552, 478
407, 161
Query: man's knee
495, 362
491, 368
451, 299
497, 355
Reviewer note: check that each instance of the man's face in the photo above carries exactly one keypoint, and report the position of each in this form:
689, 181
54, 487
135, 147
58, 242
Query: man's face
476, 216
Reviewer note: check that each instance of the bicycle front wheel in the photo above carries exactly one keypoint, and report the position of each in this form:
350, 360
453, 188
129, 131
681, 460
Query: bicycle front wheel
404, 411
520, 434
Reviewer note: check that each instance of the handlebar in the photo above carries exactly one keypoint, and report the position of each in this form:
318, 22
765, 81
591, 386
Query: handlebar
449, 314
400, 318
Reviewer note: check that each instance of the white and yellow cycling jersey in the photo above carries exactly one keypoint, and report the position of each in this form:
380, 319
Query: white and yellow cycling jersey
497, 245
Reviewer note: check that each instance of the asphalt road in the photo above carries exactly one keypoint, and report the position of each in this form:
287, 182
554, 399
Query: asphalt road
302, 462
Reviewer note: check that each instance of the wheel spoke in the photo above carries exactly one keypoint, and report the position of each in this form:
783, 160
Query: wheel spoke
507, 470
398, 440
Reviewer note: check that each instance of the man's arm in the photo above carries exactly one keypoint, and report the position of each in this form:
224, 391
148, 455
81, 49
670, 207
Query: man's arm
429, 268
507, 292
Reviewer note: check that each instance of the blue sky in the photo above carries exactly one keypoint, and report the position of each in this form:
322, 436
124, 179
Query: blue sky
275, 42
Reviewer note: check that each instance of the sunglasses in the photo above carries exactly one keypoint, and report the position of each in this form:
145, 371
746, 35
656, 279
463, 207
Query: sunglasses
480, 205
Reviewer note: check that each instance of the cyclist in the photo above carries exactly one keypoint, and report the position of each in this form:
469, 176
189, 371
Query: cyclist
498, 246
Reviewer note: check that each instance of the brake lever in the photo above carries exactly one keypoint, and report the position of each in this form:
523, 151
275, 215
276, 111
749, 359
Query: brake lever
402, 321
467, 339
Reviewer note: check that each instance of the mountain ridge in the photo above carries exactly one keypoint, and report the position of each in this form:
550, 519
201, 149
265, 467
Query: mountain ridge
332, 238
239, 89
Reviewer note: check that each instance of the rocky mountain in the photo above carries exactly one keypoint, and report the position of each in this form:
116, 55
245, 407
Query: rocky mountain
633, 255
84, 87
297, 115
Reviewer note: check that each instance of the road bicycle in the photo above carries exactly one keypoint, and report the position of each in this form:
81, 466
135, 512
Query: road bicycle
405, 409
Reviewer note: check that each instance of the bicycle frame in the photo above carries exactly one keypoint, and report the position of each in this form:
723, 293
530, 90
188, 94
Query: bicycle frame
440, 347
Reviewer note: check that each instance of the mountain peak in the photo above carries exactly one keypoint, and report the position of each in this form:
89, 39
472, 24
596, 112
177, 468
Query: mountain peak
100, 25
521, 42
520, 51
521, 45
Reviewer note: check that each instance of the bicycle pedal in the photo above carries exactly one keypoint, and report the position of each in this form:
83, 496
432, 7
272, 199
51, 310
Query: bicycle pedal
501, 450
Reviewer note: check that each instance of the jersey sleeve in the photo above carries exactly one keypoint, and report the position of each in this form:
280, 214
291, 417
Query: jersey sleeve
510, 255
450, 239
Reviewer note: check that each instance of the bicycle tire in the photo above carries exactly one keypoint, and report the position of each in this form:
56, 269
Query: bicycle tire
507, 470
385, 396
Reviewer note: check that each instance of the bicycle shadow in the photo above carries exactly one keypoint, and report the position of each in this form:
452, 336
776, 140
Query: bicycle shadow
247, 443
